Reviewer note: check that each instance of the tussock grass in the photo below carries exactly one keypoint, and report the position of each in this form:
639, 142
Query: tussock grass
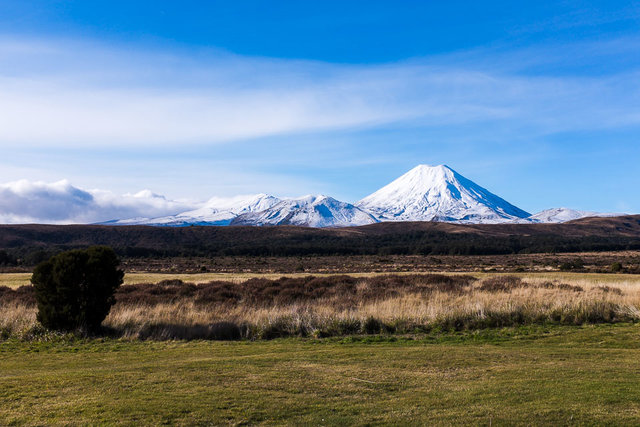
326, 306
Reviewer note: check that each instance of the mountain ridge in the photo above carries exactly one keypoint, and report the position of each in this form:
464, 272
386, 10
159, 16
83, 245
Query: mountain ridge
424, 193
216, 211
309, 211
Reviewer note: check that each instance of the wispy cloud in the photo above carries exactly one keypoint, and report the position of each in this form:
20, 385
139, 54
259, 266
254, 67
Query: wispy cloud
82, 94
62, 203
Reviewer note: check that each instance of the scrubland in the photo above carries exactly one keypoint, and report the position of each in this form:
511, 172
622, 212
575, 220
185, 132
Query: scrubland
324, 306
591, 262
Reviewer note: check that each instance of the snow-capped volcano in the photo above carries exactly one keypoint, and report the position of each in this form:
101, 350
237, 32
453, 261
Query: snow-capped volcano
438, 193
217, 211
310, 211
425, 193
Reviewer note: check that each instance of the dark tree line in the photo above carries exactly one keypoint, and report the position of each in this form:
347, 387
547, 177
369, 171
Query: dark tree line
411, 244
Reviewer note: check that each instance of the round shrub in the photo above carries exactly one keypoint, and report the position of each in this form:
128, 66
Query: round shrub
616, 267
74, 289
372, 325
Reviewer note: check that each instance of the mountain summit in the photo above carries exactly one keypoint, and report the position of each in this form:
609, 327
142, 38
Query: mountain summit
309, 211
438, 193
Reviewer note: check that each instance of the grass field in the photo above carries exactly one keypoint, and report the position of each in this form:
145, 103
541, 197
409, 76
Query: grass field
14, 280
525, 376
424, 372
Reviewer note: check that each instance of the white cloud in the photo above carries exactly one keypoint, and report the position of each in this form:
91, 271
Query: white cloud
61, 203
64, 94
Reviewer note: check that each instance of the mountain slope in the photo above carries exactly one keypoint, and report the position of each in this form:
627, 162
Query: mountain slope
415, 238
309, 211
438, 193
560, 215
217, 211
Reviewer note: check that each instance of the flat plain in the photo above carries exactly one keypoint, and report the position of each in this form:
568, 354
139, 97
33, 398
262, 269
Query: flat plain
489, 348
14, 280
517, 376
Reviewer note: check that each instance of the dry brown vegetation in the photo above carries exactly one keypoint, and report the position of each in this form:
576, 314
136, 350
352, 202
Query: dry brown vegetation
342, 305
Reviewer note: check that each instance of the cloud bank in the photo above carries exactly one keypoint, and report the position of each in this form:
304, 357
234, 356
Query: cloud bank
73, 94
62, 203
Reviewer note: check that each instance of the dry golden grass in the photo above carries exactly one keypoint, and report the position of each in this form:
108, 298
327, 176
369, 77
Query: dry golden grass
17, 320
413, 309
588, 299
14, 280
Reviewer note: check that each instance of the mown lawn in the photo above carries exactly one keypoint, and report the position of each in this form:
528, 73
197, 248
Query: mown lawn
559, 375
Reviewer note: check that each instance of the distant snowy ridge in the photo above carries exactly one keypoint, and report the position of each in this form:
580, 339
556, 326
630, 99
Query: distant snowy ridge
217, 211
560, 215
438, 193
309, 211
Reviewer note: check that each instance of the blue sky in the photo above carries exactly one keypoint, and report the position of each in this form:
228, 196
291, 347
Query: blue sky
538, 101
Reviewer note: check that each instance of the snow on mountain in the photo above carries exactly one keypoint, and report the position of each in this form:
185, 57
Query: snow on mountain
438, 193
217, 211
425, 193
559, 215
310, 211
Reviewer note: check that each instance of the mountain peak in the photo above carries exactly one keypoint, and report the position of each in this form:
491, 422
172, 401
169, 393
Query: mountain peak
423, 168
427, 193
311, 198
310, 211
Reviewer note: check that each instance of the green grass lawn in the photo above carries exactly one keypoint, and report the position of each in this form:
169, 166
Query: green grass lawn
538, 375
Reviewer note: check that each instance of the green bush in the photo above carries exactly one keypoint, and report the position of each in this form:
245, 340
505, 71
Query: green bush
372, 326
616, 267
74, 289
574, 264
